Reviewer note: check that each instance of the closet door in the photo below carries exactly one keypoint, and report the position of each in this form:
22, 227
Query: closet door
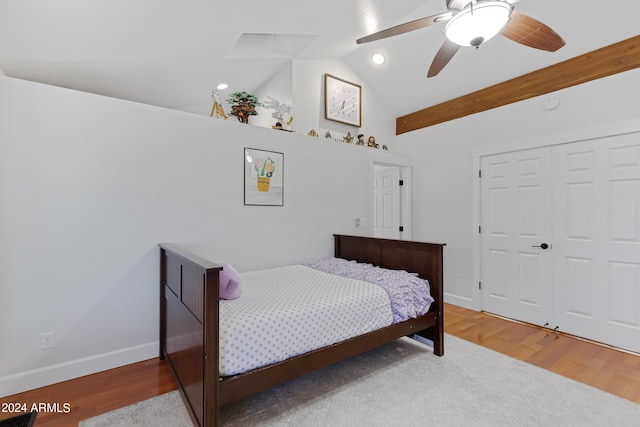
597, 239
516, 250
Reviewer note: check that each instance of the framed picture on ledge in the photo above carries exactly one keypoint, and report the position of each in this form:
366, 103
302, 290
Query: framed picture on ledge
342, 101
263, 178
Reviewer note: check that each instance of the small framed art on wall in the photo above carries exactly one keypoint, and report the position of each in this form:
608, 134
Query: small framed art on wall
263, 177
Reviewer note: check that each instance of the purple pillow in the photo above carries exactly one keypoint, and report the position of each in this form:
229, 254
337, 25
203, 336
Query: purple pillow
230, 285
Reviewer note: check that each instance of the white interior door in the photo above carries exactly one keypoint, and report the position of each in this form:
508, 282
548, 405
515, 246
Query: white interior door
386, 202
597, 225
516, 268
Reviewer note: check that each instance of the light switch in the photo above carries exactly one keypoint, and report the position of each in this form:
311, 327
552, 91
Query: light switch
361, 222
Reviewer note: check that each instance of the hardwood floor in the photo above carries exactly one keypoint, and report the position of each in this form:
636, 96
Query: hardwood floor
96, 394
613, 371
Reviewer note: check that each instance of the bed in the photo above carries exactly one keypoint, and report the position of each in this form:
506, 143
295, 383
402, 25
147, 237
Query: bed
190, 321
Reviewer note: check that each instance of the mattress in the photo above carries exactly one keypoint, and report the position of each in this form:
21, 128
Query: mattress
287, 311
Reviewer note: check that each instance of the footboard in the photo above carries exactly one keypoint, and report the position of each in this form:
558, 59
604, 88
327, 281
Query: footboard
189, 290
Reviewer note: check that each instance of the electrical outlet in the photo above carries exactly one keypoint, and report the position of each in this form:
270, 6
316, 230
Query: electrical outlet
47, 340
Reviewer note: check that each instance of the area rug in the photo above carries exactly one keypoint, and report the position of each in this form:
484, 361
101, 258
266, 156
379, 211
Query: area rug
404, 384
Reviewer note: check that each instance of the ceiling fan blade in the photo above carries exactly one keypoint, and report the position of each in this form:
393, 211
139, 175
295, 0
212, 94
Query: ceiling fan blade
406, 27
442, 58
530, 32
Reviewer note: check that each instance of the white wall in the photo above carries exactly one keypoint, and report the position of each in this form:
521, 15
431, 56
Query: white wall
444, 175
89, 185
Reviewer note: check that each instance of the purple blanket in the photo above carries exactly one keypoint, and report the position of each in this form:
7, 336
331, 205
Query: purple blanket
409, 295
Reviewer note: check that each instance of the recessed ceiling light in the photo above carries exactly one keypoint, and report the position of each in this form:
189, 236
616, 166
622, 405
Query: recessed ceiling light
222, 86
378, 58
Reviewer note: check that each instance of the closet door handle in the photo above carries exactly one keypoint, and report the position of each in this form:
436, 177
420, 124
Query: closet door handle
543, 246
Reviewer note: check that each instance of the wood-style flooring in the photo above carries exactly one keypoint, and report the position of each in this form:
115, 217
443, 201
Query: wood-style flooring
599, 366
611, 370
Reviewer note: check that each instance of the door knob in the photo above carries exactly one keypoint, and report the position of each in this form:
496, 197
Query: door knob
543, 246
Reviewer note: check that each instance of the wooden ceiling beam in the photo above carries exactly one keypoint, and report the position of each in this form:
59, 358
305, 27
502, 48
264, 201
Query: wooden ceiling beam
609, 60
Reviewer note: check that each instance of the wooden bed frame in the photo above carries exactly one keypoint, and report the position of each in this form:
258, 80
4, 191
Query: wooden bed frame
189, 322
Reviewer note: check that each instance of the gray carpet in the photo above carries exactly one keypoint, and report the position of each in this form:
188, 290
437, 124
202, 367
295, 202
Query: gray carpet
404, 384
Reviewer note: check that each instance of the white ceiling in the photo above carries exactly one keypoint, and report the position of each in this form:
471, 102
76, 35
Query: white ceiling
171, 53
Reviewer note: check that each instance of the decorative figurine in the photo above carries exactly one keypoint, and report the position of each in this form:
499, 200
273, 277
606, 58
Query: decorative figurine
313, 133
327, 135
217, 107
348, 139
243, 105
360, 140
384, 147
372, 142
279, 114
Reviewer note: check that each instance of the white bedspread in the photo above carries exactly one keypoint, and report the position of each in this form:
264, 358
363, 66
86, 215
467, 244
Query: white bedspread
287, 311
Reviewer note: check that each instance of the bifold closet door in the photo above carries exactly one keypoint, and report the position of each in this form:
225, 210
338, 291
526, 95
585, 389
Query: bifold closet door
597, 239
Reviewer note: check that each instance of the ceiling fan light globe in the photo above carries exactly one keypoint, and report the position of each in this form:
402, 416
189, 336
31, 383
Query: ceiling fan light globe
477, 22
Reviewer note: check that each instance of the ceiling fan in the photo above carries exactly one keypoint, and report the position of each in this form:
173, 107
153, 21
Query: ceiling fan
473, 22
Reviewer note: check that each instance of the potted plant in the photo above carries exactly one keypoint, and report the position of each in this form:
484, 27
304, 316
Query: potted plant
243, 105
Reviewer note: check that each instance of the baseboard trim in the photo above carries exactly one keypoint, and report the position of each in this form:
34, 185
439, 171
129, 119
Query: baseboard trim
36, 378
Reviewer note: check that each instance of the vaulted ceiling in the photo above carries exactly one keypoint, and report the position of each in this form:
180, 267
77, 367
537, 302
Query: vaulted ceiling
172, 53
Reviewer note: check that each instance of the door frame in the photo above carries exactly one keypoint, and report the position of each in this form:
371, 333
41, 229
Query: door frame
549, 140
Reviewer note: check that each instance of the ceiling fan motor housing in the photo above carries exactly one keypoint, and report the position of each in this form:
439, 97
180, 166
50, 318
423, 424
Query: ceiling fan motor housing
457, 5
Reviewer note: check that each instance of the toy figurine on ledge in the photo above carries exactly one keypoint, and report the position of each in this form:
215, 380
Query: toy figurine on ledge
243, 105
217, 106
348, 138
280, 111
